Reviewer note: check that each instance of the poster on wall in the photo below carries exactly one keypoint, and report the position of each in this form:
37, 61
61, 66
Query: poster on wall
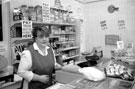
46, 12
111, 39
121, 25
103, 25
26, 29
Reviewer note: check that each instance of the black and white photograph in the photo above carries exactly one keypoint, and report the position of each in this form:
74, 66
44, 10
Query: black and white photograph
67, 44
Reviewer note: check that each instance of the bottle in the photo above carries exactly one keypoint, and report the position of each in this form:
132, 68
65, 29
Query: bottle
16, 14
38, 9
32, 13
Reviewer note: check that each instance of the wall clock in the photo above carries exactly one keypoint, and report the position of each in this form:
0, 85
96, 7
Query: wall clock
112, 8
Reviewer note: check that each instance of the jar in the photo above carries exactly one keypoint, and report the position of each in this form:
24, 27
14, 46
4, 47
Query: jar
25, 12
65, 16
38, 9
51, 14
71, 17
60, 14
56, 18
32, 13
16, 14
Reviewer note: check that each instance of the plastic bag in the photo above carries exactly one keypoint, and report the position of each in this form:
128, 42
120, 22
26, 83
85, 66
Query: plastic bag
92, 73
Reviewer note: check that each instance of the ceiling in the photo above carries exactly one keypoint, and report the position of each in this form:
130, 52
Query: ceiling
88, 1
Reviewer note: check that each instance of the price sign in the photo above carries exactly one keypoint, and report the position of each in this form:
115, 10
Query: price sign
26, 29
120, 44
46, 12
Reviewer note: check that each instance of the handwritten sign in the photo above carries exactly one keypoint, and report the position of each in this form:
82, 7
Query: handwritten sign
46, 12
120, 44
103, 25
121, 24
26, 29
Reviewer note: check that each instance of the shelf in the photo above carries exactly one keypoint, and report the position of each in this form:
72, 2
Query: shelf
66, 33
64, 42
57, 54
19, 40
69, 48
54, 37
40, 23
71, 57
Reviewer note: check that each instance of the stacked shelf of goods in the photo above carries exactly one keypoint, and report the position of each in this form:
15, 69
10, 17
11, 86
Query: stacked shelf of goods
67, 42
60, 22
62, 39
43, 13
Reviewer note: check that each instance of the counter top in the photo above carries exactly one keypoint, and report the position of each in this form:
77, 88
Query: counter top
108, 83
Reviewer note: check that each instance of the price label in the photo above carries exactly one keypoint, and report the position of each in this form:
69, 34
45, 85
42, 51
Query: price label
26, 29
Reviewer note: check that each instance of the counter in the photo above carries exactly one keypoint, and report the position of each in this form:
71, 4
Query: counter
107, 83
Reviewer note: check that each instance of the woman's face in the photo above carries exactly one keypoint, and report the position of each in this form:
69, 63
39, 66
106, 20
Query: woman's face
41, 39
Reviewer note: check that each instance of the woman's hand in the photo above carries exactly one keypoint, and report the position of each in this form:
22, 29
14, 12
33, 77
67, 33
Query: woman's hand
58, 66
41, 78
44, 78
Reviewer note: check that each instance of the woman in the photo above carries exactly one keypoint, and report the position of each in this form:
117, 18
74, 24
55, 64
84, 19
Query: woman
38, 61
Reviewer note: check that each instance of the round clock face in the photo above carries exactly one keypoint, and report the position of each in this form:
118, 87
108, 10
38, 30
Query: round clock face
111, 8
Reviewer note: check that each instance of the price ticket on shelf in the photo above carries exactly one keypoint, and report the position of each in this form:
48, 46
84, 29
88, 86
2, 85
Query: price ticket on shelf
26, 29
46, 12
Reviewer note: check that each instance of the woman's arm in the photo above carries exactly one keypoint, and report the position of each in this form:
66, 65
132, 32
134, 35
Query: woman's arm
25, 66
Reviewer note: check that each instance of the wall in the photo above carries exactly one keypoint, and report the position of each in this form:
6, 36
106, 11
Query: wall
97, 12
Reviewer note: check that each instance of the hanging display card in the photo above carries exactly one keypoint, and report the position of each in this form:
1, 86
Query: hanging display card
120, 44
26, 29
45, 12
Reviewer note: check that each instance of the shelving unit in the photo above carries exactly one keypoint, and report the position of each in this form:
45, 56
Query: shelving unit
62, 39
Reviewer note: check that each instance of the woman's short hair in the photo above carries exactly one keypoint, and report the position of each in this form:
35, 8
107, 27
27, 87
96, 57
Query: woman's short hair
44, 31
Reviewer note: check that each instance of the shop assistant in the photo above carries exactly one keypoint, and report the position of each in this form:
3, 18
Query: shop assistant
38, 61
